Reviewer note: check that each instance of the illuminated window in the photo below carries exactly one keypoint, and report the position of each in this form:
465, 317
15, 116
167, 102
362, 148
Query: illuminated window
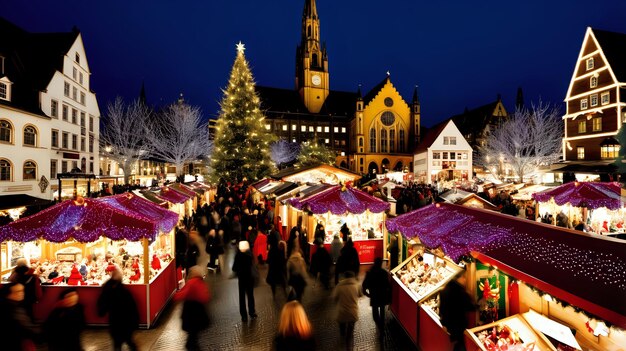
30, 136
327, 141
605, 98
336, 129
372, 140
580, 152
5, 170
594, 100
29, 171
597, 124
303, 128
294, 127
583, 104
593, 82
590, 63
268, 126
311, 129
326, 129
319, 129
284, 127
343, 129
609, 151
582, 126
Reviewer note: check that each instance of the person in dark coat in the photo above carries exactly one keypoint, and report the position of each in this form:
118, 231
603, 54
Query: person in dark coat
294, 329
15, 323
213, 248
32, 285
296, 274
348, 260
194, 295
181, 241
65, 323
320, 233
377, 287
394, 252
193, 252
242, 267
119, 303
321, 263
454, 304
277, 271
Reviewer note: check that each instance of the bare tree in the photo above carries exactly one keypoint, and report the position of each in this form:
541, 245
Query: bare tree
284, 152
122, 138
178, 135
531, 138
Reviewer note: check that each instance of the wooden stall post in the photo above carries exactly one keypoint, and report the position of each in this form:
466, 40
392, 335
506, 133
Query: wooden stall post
146, 260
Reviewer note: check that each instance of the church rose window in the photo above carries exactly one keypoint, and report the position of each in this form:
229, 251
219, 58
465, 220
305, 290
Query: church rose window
388, 118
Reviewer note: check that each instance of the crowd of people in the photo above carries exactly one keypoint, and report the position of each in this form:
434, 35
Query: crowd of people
415, 196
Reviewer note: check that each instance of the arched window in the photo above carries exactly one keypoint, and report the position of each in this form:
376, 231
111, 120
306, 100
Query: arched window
392, 141
30, 136
360, 141
372, 140
6, 131
308, 31
593, 82
30, 171
383, 140
314, 62
401, 140
5, 170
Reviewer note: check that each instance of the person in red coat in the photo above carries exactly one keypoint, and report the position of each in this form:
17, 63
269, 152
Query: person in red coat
260, 247
194, 295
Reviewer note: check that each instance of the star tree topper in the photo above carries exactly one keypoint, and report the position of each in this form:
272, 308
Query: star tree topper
240, 48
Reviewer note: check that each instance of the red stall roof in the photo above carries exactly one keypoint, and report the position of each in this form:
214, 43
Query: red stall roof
586, 270
183, 189
339, 200
584, 194
173, 196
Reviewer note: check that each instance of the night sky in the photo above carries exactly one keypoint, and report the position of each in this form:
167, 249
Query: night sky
460, 53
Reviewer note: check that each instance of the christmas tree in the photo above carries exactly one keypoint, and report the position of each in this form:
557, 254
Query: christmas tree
241, 143
314, 153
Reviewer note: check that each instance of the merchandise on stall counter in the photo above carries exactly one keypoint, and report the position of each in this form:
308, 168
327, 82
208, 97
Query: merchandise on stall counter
511, 333
502, 338
425, 272
68, 266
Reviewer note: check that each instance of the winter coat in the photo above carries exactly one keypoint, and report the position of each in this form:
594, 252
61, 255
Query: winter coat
242, 267
296, 271
63, 327
377, 287
393, 255
335, 249
195, 295
348, 260
346, 295
277, 271
260, 246
17, 327
454, 303
119, 303
321, 262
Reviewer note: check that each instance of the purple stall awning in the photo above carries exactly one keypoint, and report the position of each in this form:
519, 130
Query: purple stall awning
340, 200
584, 194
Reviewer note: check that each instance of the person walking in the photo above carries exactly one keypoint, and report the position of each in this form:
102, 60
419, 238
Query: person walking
321, 263
65, 323
294, 329
194, 295
377, 287
346, 296
26, 276
348, 260
296, 273
214, 249
15, 323
117, 301
242, 267
393, 252
335, 248
454, 304
277, 271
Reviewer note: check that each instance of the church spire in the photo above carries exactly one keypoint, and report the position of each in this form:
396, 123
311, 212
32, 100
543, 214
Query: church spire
310, 9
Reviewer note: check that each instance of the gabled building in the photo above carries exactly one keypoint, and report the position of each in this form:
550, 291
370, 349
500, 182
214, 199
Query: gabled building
49, 117
595, 101
369, 133
443, 155
476, 123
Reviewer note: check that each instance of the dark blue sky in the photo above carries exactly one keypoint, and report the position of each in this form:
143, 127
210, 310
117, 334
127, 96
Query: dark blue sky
460, 53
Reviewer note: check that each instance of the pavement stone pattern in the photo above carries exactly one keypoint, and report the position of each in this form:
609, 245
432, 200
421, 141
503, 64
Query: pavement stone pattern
228, 332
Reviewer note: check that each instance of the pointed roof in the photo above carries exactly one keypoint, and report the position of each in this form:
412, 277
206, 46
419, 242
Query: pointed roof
372, 93
31, 61
310, 9
288, 101
415, 97
614, 48
475, 120
431, 136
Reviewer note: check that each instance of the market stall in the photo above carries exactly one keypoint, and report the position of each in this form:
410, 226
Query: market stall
363, 214
598, 205
77, 242
514, 266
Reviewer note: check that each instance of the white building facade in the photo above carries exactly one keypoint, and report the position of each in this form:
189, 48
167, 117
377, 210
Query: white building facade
49, 117
443, 155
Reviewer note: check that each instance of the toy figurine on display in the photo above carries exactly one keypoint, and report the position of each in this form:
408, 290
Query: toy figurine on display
156, 263
135, 267
75, 277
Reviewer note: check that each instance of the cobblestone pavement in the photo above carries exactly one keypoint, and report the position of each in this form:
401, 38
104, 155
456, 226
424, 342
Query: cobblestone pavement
228, 332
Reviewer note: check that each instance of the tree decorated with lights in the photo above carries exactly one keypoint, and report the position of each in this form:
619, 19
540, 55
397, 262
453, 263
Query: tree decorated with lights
241, 144
313, 153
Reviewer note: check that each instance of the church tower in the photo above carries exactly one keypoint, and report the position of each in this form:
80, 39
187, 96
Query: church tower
311, 61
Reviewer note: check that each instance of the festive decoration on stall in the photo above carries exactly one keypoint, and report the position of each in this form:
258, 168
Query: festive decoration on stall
172, 196
83, 223
130, 202
340, 202
584, 194
242, 143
